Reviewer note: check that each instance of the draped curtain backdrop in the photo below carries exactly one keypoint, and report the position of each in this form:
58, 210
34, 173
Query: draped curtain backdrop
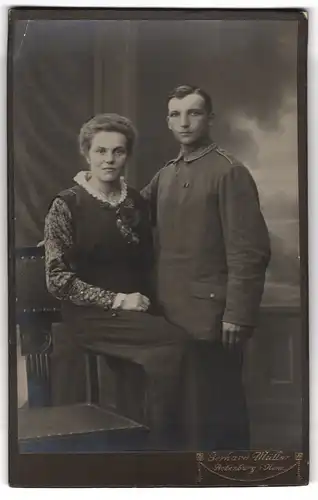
66, 71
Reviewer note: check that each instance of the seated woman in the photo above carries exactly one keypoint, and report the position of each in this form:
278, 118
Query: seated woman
99, 255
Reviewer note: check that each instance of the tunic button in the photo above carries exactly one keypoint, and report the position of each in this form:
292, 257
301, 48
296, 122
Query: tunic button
212, 295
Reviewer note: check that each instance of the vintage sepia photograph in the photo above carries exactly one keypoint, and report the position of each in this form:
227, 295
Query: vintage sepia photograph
158, 246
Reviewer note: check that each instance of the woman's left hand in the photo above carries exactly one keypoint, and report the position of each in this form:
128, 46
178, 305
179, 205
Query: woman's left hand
135, 302
144, 303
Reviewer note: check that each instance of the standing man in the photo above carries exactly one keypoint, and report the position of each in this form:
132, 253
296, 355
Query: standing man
213, 251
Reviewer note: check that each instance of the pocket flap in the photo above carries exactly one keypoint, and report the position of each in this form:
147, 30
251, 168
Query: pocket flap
207, 291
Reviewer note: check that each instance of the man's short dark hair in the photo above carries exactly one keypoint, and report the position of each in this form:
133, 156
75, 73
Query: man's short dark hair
107, 122
184, 90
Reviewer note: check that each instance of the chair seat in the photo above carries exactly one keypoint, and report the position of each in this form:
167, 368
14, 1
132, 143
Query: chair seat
77, 428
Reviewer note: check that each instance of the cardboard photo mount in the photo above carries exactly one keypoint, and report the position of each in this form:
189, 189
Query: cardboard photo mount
128, 87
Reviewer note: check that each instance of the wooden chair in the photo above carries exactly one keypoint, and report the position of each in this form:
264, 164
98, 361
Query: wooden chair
43, 427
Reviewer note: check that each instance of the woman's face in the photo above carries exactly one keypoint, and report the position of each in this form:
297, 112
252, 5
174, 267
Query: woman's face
107, 156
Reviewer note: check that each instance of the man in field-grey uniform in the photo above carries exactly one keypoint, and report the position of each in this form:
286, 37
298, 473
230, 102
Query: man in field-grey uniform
213, 251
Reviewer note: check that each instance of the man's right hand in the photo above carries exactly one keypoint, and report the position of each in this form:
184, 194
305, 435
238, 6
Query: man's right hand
135, 302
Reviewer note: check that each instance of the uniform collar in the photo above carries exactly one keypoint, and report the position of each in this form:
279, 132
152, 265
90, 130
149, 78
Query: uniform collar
196, 154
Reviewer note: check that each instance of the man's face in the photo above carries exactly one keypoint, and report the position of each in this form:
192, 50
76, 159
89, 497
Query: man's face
188, 119
107, 156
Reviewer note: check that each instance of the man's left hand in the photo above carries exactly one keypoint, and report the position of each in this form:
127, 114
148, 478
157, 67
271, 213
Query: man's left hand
234, 335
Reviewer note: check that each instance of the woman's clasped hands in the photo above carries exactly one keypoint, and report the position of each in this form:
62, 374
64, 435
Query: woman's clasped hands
135, 302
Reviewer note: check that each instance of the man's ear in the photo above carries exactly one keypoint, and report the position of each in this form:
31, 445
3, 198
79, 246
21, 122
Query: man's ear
168, 122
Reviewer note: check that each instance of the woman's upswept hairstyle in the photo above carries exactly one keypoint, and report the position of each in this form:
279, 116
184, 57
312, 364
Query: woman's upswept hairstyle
184, 90
106, 122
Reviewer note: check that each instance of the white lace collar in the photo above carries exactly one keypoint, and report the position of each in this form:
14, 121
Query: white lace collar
82, 179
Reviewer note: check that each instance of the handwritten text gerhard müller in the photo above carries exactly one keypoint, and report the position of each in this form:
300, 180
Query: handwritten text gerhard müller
256, 456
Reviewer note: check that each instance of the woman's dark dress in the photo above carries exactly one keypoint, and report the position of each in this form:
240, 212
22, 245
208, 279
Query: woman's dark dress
99, 255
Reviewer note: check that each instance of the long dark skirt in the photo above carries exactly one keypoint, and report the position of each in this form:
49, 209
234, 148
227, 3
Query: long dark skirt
147, 340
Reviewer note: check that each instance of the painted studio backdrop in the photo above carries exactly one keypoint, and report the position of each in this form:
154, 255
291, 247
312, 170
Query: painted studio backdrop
66, 71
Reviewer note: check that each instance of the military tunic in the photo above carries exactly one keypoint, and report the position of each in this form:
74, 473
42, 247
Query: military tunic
213, 244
